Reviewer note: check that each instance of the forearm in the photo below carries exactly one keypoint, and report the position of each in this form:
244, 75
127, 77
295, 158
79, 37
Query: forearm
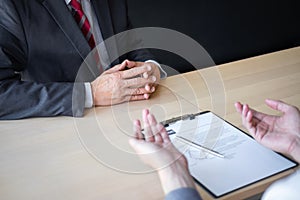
28, 99
174, 177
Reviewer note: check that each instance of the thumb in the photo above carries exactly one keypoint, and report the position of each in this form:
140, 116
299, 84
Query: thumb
278, 105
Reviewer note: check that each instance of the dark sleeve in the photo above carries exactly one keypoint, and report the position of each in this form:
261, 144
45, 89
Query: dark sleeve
183, 193
22, 99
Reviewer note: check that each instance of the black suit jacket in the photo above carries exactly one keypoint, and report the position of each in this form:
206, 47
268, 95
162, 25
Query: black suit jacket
41, 50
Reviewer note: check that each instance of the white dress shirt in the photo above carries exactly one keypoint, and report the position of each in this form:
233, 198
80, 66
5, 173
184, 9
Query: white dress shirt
286, 188
96, 30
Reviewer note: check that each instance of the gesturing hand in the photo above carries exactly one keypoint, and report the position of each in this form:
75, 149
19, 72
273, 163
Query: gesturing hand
155, 149
280, 133
154, 143
116, 86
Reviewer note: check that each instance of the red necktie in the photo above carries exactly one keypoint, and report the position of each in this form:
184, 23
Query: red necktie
83, 22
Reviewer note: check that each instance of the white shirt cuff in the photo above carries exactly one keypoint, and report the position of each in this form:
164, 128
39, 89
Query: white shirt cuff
163, 74
88, 103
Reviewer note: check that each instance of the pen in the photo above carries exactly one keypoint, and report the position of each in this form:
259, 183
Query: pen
198, 146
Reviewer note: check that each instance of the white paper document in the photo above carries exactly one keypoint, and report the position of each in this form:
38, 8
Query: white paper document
245, 161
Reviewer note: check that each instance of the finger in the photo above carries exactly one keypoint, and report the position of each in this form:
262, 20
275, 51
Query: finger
136, 91
163, 133
243, 114
147, 129
117, 68
248, 120
258, 115
144, 114
139, 82
255, 113
146, 96
278, 105
249, 116
155, 131
147, 87
135, 72
133, 64
137, 98
249, 123
130, 64
151, 119
136, 64
256, 129
152, 66
150, 88
238, 107
245, 110
153, 88
137, 130
133, 98
148, 73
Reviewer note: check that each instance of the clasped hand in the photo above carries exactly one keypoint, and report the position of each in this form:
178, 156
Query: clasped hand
118, 85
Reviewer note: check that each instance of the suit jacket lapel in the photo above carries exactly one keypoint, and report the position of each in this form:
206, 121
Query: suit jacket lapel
60, 12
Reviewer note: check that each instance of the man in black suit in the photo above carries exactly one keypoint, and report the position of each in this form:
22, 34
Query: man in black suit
42, 49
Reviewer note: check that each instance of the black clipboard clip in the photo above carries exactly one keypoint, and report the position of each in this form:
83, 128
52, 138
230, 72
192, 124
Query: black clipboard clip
180, 118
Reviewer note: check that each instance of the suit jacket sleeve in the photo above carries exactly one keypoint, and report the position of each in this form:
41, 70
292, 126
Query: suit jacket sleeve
21, 99
183, 193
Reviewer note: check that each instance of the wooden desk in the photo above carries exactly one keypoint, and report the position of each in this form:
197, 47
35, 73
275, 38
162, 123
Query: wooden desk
89, 158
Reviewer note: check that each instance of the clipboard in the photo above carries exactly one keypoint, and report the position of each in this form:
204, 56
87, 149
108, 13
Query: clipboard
245, 161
